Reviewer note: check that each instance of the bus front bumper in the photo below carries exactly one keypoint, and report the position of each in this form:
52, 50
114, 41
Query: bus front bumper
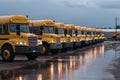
77, 43
55, 46
67, 45
28, 49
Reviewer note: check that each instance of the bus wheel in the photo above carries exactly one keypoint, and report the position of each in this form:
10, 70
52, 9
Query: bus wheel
64, 50
32, 56
46, 49
54, 51
7, 54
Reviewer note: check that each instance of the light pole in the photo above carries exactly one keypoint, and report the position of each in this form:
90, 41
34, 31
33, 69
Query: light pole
116, 19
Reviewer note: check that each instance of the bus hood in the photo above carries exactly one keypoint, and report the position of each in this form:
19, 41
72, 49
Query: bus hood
28, 35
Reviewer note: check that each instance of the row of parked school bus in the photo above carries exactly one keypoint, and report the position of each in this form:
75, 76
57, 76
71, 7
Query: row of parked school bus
21, 36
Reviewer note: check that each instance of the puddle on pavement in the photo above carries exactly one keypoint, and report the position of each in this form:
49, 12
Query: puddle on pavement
90, 64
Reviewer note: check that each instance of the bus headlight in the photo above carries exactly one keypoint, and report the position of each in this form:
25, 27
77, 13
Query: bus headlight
63, 41
73, 40
39, 42
21, 43
51, 41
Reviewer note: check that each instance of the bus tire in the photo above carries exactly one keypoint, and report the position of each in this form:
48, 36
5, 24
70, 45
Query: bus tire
46, 49
7, 54
54, 51
64, 50
32, 56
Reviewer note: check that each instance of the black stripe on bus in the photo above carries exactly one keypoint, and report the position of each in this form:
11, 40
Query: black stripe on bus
4, 33
4, 38
39, 38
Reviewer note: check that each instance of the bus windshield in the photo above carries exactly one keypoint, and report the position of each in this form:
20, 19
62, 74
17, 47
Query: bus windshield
72, 31
23, 28
61, 31
78, 32
35, 30
49, 29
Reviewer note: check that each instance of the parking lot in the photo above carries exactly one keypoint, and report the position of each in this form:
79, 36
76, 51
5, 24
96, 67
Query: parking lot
91, 63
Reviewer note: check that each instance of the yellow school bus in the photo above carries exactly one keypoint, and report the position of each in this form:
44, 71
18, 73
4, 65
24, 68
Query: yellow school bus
65, 39
100, 35
79, 35
93, 33
86, 35
83, 36
45, 29
70, 30
15, 38
115, 36
95, 36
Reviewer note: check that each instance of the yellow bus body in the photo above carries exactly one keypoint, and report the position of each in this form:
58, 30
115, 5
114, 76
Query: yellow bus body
16, 38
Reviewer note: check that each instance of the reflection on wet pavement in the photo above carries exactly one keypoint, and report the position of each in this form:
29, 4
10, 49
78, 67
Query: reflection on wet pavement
89, 64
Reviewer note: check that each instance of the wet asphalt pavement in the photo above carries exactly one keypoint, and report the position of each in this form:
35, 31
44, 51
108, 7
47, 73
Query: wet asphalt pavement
88, 63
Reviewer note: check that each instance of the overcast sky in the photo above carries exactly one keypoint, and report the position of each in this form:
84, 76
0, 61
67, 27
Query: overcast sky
90, 13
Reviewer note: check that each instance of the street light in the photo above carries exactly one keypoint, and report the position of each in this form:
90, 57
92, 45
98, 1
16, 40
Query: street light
116, 19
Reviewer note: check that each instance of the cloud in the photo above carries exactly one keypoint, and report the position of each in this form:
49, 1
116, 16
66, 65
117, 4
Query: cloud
79, 3
109, 4
73, 4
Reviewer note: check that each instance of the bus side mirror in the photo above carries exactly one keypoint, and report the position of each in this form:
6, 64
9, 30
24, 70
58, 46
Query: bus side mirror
18, 29
40, 32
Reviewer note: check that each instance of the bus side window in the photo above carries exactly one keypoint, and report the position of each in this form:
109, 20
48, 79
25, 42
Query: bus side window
5, 28
0, 28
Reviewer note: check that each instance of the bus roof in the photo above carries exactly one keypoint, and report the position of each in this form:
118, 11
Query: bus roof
98, 30
59, 25
69, 26
83, 28
78, 28
14, 19
41, 23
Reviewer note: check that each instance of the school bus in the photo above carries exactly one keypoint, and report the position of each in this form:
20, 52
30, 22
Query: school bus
65, 39
88, 36
103, 36
93, 33
78, 32
83, 36
15, 38
45, 29
99, 35
70, 30
95, 36
116, 36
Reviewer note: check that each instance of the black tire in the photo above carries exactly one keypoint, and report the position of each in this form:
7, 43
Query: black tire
46, 49
74, 46
64, 49
54, 51
32, 56
7, 54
